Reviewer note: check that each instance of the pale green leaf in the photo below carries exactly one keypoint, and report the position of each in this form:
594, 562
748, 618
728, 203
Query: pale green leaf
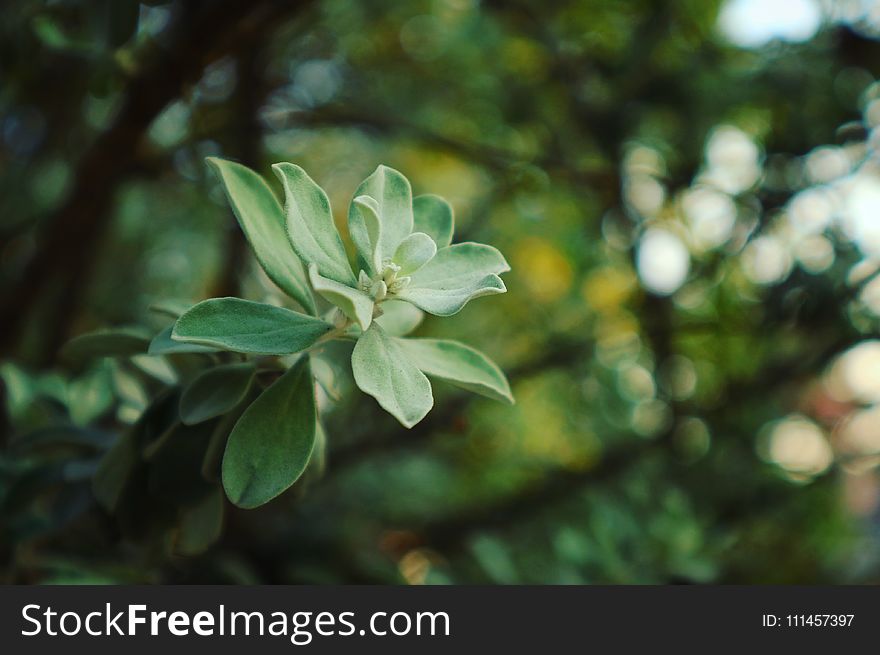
455, 275
354, 303
170, 308
393, 197
458, 364
414, 252
271, 444
120, 342
156, 367
368, 232
383, 370
460, 265
445, 302
433, 216
399, 318
310, 224
248, 327
262, 220
215, 392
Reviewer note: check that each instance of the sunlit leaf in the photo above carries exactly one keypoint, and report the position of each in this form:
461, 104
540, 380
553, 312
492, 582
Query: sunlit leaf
310, 224
383, 370
393, 197
455, 275
414, 251
368, 231
355, 304
399, 318
458, 364
459, 265
433, 216
262, 220
445, 302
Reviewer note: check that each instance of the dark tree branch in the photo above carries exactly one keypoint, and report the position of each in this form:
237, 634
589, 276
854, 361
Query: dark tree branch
248, 149
490, 156
452, 533
57, 273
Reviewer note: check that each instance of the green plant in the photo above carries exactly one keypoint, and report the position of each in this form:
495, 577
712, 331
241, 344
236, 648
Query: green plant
221, 347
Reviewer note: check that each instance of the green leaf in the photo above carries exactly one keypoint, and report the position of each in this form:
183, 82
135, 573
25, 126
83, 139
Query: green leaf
446, 302
355, 304
248, 327
272, 442
454, 276
383, 370
200, 524
120, 342
90, 396
215, 392
60, 436
174, 467
460, 365
121, 21
213, 458
393, 197
460, 265
310, 225
368, 234
163, 344
170, 308
155, 367
262, 220
119, 463
433, 216
414, 252
399, 318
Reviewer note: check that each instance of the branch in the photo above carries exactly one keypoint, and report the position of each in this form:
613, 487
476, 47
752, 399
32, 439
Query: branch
452, 533
248, 146
492, 157
56, 274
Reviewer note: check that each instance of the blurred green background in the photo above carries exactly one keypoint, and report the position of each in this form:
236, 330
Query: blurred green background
688, 193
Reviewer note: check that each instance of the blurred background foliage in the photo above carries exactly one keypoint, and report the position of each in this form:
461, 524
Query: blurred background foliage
689, 195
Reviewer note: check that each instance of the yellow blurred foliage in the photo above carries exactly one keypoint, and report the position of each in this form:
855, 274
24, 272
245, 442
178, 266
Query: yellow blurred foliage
545, 270
525, 57
607, 288
547, 434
